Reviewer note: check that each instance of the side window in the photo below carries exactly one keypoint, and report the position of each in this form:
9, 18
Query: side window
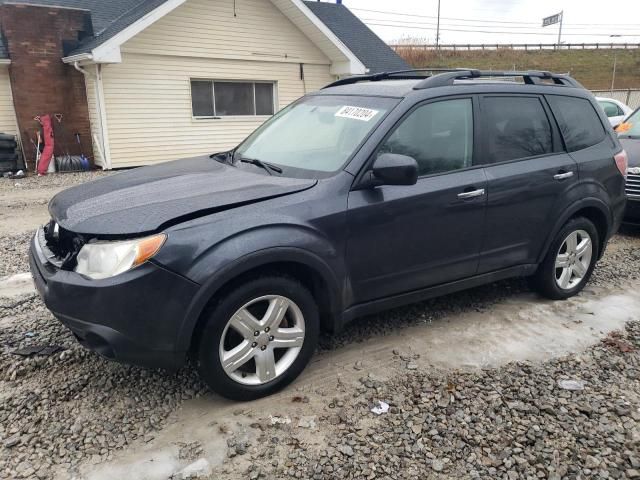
515, 127
579, 122
438, 135
611, 109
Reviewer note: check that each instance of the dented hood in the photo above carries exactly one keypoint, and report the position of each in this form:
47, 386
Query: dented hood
148, 199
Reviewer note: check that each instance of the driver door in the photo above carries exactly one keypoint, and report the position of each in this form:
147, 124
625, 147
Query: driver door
404, 238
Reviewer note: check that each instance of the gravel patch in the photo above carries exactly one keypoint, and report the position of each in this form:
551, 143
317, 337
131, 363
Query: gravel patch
33, 182
14, 251
515, 422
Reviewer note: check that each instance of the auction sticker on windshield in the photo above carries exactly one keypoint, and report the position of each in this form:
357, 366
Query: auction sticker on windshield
357, 113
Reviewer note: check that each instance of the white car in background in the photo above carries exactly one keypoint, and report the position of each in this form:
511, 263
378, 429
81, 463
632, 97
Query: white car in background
615, 110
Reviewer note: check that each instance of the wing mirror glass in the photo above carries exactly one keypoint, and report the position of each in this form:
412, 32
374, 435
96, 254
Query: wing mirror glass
394, 169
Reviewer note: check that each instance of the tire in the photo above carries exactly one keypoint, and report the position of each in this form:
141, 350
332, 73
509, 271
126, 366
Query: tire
245, 381
8, 157
560, 283
8, 144
6, 136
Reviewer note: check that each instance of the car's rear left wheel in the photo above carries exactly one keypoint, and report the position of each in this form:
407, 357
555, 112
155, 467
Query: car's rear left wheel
569, 262
258, 337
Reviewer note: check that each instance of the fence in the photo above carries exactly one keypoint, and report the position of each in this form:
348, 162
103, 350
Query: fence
628, 96
518, 46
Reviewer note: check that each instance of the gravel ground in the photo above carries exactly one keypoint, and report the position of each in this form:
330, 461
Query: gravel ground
33, 182
512, 422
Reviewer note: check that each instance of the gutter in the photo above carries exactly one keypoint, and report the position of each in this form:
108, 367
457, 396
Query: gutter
101, 105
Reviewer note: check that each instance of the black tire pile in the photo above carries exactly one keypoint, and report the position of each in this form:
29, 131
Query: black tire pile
8, 153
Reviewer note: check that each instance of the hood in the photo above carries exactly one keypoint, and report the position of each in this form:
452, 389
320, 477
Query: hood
149, 199
632, 147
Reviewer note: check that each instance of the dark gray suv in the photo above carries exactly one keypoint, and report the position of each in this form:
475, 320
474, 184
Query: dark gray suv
375, 192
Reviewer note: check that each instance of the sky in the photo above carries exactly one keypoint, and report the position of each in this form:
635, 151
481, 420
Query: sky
500, 21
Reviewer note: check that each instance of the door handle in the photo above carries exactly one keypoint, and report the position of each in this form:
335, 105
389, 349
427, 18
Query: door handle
563, 176
472, 194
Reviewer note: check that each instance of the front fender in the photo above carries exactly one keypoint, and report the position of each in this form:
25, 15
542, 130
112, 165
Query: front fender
215, 270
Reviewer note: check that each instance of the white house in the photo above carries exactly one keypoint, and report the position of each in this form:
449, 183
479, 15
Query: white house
169, 79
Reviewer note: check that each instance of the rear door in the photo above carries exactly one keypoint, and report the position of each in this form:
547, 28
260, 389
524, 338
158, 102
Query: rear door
404, 238
528, 175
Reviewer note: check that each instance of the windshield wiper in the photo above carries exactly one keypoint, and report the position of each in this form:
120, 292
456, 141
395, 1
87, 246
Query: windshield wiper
266, 166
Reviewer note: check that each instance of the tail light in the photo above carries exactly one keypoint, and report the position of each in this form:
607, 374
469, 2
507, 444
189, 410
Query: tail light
622, 162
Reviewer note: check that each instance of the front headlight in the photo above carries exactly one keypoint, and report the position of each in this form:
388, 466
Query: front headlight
103, 259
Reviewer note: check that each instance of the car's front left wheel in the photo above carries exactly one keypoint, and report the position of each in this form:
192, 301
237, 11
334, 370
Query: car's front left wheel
258, 337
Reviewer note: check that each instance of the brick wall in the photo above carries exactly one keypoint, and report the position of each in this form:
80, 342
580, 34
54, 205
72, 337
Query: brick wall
41, 82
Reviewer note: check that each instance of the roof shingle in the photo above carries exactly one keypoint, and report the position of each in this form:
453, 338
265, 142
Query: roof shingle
376, 55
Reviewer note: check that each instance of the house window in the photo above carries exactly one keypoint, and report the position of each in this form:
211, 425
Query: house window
226, 98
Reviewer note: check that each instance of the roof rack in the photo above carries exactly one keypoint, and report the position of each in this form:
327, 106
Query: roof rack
395, 75
529, 77
448, 76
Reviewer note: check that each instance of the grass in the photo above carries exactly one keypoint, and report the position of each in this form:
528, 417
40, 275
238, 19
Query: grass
592, 68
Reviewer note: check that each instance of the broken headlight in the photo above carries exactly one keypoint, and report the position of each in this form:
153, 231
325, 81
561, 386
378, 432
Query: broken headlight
104, 259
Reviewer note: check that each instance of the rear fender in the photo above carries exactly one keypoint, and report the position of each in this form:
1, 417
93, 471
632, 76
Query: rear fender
589, 202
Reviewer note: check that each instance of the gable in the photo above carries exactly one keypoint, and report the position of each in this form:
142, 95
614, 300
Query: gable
256, 30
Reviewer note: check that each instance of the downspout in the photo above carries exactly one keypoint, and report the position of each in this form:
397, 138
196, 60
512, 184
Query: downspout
102, 112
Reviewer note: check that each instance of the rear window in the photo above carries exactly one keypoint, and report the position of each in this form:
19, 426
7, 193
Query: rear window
516, 127
579, 122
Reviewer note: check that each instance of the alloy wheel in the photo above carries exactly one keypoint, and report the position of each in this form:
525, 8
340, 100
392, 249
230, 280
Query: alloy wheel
262, 340
573, 259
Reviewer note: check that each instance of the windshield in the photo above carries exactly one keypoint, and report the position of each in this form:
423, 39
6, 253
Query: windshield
318, 133
631, 126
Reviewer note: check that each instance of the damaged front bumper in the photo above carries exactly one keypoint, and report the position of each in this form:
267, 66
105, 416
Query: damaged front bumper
132, 318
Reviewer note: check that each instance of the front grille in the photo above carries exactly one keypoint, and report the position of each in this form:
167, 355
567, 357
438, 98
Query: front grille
633, 186
60, 246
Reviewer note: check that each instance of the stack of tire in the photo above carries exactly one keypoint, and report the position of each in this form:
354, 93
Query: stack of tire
8, 153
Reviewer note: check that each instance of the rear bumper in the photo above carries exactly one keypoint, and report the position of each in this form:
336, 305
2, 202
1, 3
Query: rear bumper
632, 212
131, 318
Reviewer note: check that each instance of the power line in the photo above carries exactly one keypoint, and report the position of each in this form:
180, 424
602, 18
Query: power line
502, 32
486, 20
408, 22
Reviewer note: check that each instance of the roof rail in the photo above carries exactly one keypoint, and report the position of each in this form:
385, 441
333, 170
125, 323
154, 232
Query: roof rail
529, 77
397, 75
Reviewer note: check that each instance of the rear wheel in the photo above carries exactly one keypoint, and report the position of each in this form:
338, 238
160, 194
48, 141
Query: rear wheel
570, 261
258, 338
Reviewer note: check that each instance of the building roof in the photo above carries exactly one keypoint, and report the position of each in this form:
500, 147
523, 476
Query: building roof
366, 45
110, 17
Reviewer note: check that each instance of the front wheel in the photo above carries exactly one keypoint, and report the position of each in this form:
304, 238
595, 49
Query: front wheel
258, 338
570, 261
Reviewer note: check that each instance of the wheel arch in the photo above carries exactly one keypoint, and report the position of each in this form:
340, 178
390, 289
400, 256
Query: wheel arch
591, 208
300, 264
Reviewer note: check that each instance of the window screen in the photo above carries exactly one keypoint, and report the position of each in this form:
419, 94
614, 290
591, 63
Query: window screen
578, 120
439, 136
202, 99
212, 98
516, 127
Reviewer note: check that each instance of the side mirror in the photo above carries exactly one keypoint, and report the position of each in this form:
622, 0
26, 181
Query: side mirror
394, 169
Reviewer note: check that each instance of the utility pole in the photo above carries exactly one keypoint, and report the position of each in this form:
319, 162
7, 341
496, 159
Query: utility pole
560, 30
438, 29
613, 78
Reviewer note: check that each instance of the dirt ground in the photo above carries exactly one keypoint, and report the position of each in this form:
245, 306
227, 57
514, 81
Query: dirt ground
446, 361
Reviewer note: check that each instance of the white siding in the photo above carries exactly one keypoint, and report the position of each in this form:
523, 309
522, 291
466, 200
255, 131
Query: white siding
7, 111
208, 29
148, 100
148, 95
